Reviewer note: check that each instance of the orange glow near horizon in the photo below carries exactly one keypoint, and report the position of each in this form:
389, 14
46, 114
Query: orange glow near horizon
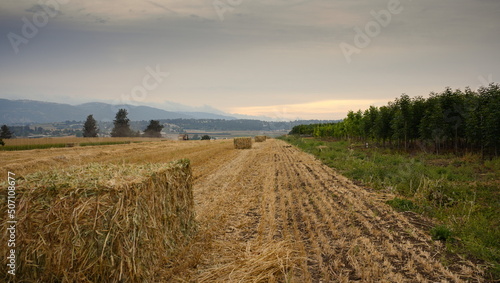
325, 109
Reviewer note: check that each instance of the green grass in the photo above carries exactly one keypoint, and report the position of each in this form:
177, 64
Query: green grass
441, 233
31, 146
462, 193
402, 204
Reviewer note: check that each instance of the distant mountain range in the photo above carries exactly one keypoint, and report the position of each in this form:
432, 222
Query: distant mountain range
31, 111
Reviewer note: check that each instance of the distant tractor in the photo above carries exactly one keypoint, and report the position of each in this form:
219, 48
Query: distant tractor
183, 137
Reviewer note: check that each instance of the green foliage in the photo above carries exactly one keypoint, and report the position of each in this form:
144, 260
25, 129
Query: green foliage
441, 233
484, 117
90, 129
205, 137
402, 204
448, 121
31, 146
368, 122
154, 129
383, 130
401, 123
318, 130
121, 125
2, 143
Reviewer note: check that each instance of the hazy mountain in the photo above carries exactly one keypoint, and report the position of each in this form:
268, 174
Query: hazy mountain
107, 112
31, 111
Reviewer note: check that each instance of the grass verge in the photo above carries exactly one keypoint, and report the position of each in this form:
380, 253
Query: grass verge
462, 193
30, 146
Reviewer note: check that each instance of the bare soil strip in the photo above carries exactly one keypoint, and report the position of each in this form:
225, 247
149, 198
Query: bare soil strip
276, 214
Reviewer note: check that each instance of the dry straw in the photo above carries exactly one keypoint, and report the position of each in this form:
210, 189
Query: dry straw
100, 223
265, 262
260, 138
242, 143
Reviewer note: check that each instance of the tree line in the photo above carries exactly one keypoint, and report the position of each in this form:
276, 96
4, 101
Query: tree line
452, 120
122, 127
236, 124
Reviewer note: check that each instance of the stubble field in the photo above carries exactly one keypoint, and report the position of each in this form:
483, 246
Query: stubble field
276, 214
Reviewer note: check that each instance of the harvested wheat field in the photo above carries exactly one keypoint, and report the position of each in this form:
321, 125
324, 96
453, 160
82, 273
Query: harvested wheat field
275, 214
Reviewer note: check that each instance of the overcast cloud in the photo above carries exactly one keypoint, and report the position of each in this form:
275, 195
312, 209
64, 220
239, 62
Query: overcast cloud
276, 58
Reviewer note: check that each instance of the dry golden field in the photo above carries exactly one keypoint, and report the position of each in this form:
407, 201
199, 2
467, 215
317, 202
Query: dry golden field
276, 214
26, 141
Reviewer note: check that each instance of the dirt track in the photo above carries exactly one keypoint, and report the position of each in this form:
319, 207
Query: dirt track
274, 213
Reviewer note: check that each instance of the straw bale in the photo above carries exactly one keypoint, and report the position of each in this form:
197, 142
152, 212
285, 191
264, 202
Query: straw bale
260, 138
242, 143
100, 223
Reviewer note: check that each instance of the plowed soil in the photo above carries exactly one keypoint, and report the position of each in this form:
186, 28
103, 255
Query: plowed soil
276, 214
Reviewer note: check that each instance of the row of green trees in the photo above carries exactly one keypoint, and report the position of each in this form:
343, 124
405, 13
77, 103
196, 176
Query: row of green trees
122, 127
451, 120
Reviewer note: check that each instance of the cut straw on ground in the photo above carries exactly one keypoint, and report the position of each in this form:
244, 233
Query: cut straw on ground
272, 261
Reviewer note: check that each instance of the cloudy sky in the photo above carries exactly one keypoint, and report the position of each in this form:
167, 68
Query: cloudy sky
282, 59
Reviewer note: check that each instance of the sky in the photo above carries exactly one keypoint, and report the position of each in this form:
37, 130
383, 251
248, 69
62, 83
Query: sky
284, 59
